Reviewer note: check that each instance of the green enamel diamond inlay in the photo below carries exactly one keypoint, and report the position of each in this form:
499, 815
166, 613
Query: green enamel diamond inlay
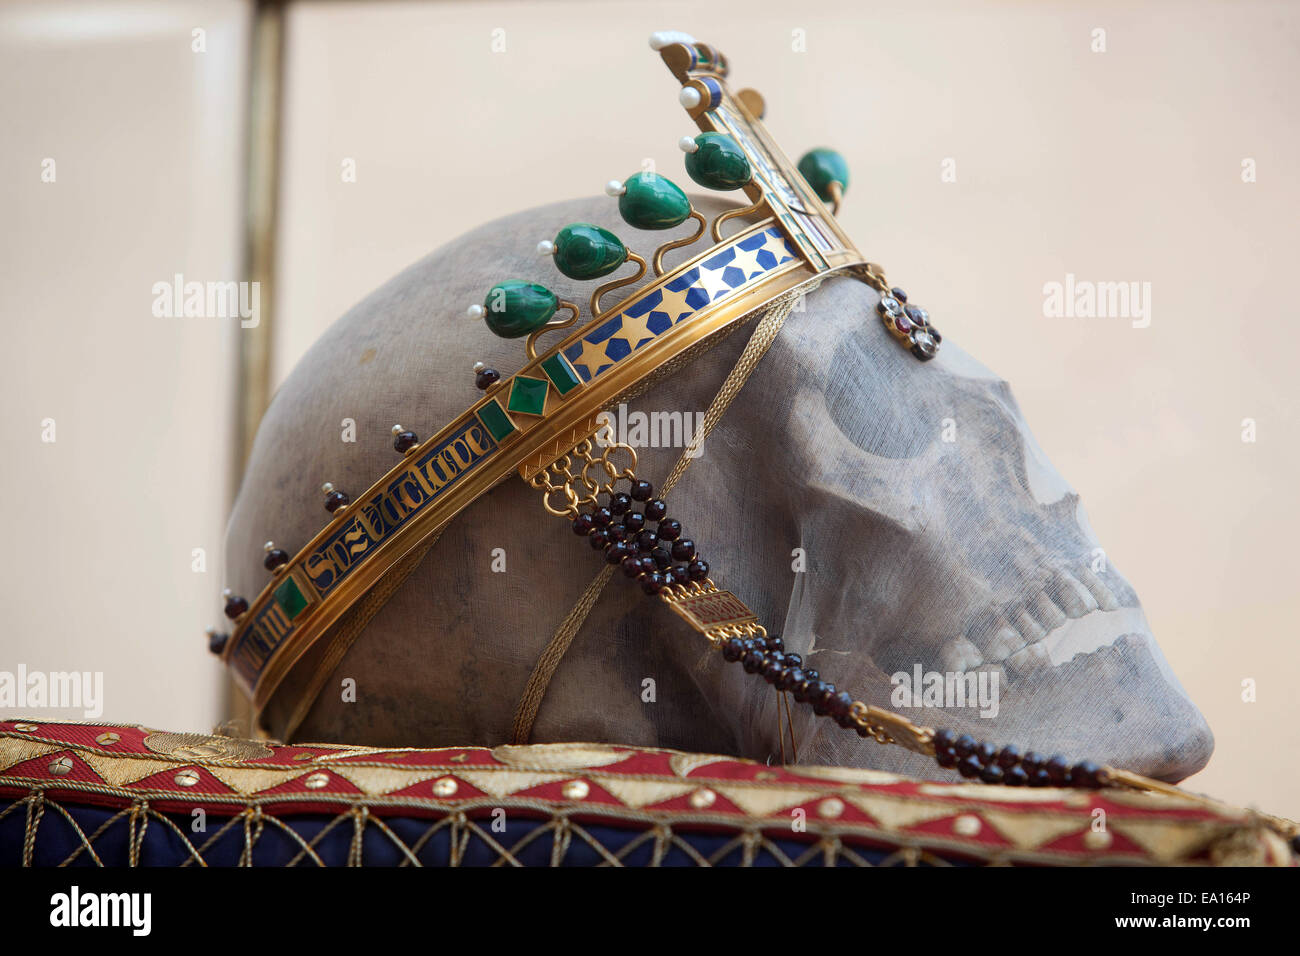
290, 598
528, 395
495, 420
561, 373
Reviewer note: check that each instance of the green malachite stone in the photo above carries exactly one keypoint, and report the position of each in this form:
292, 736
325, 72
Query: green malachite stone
650, 201
821, 167
561, 373
515, 308
495, 420
584, 251
719, 162
290, 598
527, 395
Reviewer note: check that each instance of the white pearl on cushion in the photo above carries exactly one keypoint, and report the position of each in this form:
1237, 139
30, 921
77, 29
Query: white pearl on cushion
614, 188
687, 144
689, 97
475, 311
546, 248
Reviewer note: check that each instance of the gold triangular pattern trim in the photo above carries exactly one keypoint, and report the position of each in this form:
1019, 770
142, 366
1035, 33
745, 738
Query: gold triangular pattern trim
766, 800
685, 764
123, 771
897, 813
377, 781
248, 780
558, 756
502, 783
640, 793
15, 750
1167, 840
1027, 831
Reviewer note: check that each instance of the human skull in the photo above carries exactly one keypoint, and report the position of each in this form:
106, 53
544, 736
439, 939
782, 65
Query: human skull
881, 513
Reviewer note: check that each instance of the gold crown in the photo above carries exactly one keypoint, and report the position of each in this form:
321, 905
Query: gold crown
788, 240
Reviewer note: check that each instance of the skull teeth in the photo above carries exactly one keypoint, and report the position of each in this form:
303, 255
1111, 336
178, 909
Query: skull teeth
1029, 661
959, 654
1098, 588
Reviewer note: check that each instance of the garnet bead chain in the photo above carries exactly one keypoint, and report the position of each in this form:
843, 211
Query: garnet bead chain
665, 563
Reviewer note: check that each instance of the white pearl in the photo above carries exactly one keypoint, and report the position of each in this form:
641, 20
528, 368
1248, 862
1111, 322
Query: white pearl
327, 487
689, 97
614, 188
270, 545
479, 366
475, 311
546, 248
687, 144
397, 429
662, 38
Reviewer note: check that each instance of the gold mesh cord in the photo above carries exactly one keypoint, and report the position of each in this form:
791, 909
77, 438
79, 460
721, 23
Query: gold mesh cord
763, 337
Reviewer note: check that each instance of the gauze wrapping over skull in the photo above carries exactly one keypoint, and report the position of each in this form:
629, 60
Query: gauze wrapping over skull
893, 520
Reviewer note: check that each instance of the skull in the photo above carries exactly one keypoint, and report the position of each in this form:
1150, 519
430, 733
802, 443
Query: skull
887, 516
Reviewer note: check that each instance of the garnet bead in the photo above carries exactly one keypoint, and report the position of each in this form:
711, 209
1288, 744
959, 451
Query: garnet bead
1015, 776
641, 490
670, 529
1039, 778
698, 570
235, 606
773, 642
646, 541
336, 500
652, 582
485, 378
1058, 771
217, 641
1087, 774
684, 549
583, 525
619, 503
733, 649
617, 551
616, 532
1032, 761
275, 558
602, 517
838, 705
404, 441
943, 739
773, 670
964, 745
969, 767
1008, 756
599, 539
634, 521
680, 574
631, 566
824, 692
985, 752
753, 661
898, 294
656, 509
811, 674
991, 774
945, 757
663, 561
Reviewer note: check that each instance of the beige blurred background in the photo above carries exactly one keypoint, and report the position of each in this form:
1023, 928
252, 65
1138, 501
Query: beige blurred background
995, 147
